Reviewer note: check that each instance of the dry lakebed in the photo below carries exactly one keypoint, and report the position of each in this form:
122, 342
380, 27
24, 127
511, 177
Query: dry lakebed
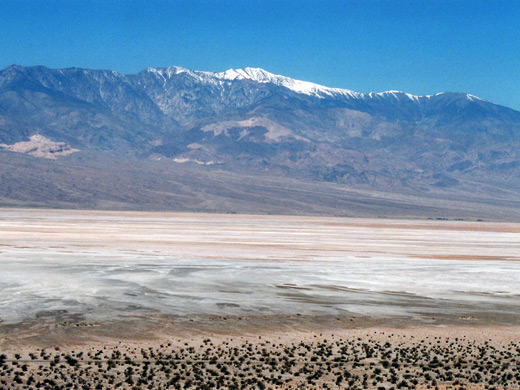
105, 299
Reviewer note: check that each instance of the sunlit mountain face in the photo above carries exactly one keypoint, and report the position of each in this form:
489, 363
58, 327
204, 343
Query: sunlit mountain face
58, 123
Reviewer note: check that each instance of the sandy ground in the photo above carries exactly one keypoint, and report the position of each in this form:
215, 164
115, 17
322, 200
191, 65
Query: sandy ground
455, 357
89, 276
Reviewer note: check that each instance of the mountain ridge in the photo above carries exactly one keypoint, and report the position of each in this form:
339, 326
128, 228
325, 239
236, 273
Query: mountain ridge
262, 76
250, 120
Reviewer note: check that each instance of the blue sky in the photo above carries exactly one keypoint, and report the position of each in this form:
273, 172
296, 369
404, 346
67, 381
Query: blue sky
418, 46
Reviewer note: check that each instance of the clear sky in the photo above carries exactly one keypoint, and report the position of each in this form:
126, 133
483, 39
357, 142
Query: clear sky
418, 46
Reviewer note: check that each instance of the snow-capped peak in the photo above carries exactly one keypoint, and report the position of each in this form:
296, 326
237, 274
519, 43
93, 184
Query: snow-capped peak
299, 86
473, 98
254, 74
167, 73
304, 87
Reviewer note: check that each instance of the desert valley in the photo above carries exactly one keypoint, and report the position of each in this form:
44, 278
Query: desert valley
259, 194
160, 300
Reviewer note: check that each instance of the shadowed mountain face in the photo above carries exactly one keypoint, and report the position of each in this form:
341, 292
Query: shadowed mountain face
249, 121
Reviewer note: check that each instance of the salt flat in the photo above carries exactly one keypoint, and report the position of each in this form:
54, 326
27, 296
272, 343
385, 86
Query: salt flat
100, 266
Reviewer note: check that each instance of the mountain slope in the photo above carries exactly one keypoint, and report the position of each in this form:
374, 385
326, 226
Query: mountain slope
250, 120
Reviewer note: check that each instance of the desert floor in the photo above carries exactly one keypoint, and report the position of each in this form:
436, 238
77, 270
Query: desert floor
104, 281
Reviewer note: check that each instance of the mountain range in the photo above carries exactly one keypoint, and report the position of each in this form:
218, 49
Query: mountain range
247, 140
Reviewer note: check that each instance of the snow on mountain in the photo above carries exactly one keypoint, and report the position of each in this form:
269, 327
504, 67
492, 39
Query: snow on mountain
258, 75
299, 86
246, 122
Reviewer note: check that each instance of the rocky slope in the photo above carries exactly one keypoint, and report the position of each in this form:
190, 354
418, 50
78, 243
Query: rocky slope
249, 121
